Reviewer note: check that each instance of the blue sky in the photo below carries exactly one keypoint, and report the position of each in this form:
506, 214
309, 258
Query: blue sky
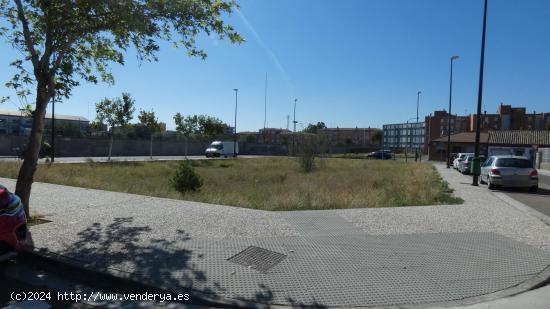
349, 62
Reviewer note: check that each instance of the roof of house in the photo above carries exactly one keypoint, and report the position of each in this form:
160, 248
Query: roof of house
504, 137
520, 137
464, 137
48, 116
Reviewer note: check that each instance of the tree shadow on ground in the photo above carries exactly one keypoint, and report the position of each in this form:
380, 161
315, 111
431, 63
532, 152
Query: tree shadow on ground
160, 263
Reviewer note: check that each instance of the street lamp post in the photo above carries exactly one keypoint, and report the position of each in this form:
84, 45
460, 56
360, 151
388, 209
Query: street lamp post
235, 133
53, 128
294, 134
407, 138
479, 99
417, 104
449, 118
407, 141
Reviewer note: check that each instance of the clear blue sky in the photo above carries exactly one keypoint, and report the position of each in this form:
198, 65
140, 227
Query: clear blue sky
350, 63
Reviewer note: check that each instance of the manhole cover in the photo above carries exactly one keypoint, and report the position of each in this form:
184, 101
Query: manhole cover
257, 258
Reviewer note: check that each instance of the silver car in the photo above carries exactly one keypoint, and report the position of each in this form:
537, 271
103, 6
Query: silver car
509, 171
465, 165
459, 158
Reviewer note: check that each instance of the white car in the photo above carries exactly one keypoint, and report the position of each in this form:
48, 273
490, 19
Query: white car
460, 157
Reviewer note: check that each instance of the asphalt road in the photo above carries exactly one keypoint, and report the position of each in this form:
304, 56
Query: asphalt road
540, 200
53, 288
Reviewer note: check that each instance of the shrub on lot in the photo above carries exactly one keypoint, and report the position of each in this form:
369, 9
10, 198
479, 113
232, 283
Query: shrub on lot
309, 147
186, 179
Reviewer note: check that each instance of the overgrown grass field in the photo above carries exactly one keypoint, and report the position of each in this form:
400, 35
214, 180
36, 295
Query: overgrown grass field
264, 183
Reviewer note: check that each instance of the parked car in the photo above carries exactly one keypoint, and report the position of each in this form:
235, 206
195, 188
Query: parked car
459, 158
381, 154
509, 171
452, 157
13, 224
218, 149
466, 164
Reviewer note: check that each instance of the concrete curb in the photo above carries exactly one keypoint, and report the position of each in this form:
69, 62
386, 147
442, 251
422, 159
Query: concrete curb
522, 207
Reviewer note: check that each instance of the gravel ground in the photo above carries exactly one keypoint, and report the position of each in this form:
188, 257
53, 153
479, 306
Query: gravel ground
482, 211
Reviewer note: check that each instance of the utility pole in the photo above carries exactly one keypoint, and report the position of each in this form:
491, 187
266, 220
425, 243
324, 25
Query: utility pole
235, 133
287, 121
265, 101
416, 125
265, 105
449, 119
479, 99
294, 134
53, 127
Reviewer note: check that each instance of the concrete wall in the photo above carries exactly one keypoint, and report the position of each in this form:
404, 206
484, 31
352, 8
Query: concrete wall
99, 147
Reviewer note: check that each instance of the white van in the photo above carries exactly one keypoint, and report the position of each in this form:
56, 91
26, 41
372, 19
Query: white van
218, 149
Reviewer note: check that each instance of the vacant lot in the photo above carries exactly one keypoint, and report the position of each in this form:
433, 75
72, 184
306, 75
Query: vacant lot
266, 183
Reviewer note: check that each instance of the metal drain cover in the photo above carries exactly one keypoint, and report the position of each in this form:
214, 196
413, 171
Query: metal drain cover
257, 258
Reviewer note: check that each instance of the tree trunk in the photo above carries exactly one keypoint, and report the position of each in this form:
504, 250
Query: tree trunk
111, 144
151, 147
30, 158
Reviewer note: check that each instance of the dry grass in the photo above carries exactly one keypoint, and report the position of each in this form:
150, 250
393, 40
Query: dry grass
267, 183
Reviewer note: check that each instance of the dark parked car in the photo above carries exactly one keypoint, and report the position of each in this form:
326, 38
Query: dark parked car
382, 154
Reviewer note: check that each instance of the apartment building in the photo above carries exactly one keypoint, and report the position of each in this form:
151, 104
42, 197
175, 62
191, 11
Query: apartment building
404, 135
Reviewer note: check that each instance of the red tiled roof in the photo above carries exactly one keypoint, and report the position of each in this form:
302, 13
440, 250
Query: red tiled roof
520, 137
464, 137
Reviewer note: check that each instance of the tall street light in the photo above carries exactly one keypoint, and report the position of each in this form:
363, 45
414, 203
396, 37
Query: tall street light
235, 133
407, 138
53, 128
479, 99
453, 58
294, 134
417, 104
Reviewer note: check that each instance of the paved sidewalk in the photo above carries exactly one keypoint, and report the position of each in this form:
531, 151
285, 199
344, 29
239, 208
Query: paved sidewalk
449, 254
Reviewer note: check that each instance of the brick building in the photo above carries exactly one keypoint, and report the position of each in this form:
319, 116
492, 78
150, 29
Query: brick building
364, 137
506, 118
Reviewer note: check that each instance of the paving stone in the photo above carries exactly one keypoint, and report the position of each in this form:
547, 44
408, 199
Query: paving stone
354, 257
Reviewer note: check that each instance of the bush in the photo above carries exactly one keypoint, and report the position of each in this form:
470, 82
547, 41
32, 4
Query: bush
186, 179
308, 149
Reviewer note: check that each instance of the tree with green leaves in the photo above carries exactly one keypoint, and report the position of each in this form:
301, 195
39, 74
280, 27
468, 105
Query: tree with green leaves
206, 126
377, 137
312, 128
65, 42
149, 120
115, 112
